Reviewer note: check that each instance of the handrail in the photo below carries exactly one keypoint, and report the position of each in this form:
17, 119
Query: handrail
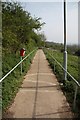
16, 66
77, 83
65, 71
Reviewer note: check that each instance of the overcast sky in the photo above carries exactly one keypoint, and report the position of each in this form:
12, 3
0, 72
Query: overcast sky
52, 14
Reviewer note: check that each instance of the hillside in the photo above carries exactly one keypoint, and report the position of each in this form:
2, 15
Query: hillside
18, 32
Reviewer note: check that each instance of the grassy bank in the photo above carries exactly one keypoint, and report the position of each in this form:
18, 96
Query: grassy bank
11, 84
69, 87
19, 31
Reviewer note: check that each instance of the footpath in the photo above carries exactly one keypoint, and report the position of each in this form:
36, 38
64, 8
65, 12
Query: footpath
40, 95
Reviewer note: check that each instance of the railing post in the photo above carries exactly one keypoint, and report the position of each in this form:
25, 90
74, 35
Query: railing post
21, 65
54, 60
54, 66
75, 94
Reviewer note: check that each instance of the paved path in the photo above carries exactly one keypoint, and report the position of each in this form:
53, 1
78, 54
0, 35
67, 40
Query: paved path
40, 95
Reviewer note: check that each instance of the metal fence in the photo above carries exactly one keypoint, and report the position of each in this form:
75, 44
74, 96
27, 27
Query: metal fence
74, 80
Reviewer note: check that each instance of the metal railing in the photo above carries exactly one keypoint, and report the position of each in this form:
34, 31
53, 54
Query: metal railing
76, 82
16, 66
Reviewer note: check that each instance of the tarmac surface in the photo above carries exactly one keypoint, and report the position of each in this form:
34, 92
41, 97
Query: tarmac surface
40, 95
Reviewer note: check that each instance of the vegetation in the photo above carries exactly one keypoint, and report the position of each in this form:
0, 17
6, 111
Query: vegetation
71, 49
18, 32
18, 27
73, 69
77, 52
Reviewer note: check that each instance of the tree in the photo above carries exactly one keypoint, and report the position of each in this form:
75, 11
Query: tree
18, 26
77, 52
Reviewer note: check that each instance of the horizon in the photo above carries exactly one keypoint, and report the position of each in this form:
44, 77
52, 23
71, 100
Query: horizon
62, 43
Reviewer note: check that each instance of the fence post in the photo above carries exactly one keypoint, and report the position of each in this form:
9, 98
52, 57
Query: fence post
21, 65
75, 94
54, 66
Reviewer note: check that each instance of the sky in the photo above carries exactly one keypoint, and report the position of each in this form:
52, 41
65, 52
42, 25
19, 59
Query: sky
52, 13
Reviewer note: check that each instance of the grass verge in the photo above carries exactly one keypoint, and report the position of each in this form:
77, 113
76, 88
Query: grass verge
69, 87
11, 84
